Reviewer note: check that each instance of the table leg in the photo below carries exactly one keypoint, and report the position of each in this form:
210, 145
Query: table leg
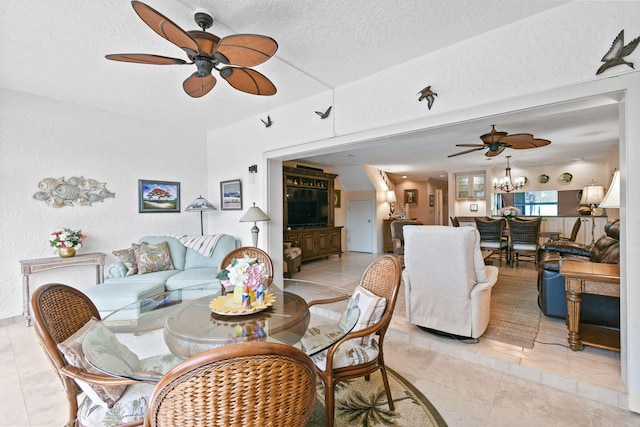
25, 300
574, 302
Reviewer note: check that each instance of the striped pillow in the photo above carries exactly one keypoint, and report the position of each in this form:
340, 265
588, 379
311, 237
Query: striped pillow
371, 310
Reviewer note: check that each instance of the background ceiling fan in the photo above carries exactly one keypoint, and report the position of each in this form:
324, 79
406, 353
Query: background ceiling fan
496, 142
231, 55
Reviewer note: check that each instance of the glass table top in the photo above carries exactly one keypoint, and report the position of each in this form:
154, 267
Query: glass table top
143, 340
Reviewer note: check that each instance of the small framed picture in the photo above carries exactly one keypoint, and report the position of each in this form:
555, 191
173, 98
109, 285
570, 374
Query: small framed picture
473, 207
411, 197
432, 200
231, 195
158, 196
337, 198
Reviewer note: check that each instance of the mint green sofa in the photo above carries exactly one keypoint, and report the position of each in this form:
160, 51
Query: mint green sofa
190, 268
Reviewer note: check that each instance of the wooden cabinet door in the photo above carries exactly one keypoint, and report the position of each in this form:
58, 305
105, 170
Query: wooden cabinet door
335, 241
308, 244
321, 243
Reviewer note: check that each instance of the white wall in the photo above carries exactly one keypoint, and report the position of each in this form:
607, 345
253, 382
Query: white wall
547, 59
42, 138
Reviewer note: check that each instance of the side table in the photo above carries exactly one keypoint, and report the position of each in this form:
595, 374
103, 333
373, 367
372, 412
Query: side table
585, 277
30, 266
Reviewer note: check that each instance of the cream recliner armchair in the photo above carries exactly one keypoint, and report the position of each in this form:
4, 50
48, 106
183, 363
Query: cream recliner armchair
447, 285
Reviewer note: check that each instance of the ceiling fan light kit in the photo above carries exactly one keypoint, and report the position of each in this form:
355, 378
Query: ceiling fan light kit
231, 56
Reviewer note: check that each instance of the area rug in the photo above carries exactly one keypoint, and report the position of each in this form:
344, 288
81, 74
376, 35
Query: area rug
364, 403
515, 316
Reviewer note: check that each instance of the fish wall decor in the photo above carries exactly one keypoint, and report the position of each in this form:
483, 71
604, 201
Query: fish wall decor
75, 191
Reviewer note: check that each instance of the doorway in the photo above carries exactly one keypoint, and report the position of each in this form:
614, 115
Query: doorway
360, 225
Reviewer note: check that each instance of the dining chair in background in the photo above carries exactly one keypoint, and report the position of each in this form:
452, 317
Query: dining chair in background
59, 312
250, 251
454, 221
574, 232
524, 239
360, 352
491, 236
397, 236
247, 384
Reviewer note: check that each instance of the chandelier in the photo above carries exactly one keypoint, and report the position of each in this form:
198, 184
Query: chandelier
507, 184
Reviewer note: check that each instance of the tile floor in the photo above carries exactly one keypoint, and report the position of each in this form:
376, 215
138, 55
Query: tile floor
484, 384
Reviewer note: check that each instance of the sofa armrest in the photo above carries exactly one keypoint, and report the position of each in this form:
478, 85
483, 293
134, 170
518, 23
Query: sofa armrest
117, 269
571, 248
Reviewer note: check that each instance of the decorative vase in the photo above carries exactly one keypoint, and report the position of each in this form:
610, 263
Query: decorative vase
66, 252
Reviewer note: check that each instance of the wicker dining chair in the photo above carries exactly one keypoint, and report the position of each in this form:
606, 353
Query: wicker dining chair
255, 384
455, 222
491, 236
524, 239
574, 232
253, 252
59, 311
381, 278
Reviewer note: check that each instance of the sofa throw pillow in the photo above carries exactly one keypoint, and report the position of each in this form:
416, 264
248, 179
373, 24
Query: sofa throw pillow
71, 348
128, 258
371, 310
152, 258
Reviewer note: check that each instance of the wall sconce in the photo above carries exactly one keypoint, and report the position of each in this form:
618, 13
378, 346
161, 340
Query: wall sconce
253, 170
390, 198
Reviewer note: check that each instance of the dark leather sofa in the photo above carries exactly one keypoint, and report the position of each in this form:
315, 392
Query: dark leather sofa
596, 309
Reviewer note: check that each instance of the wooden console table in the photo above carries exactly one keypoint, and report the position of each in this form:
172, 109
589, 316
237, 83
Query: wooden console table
585, 277
30, 266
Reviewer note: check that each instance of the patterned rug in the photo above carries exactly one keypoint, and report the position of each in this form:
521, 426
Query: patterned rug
364, 403
515, 316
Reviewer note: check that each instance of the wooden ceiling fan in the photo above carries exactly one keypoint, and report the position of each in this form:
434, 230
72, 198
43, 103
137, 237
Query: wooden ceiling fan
495, 142
230, 56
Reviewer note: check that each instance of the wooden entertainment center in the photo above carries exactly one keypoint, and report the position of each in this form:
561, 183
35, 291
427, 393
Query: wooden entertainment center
314, 189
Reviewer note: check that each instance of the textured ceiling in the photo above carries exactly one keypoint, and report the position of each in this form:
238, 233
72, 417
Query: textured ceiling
56, 48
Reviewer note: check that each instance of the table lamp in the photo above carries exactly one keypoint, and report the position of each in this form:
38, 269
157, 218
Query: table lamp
612, 198
200, 205
592, 195
254, 214
391, 199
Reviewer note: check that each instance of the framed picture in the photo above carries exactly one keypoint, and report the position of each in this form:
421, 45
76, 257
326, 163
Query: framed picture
158, 196
231, 195
473, 207
411, 197
432, 200
337, 198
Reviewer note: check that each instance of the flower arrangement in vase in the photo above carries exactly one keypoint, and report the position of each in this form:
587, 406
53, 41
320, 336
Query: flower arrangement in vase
247, 277
510, 211
67, 241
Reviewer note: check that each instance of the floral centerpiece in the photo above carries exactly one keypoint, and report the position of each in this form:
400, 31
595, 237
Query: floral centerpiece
510, 211
67, 241
247, 277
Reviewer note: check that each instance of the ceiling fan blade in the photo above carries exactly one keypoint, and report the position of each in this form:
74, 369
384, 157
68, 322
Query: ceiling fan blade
145, 58
248, 80
164, 27
495, 153
247, 50
523, 141
196, 86
470, 145
466, 151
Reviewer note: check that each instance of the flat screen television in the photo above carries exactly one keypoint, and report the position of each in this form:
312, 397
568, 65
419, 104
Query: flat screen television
307, 207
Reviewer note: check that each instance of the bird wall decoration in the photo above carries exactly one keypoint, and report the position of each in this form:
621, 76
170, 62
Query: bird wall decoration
268, 122
617, 52
427, 94
325, 114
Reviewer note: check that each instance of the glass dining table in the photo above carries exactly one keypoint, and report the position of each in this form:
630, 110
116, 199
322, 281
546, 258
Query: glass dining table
144, 340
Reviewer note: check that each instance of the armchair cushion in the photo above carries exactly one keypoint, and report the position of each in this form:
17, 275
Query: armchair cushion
72, 350
371, 310
131, 407
152, 258
349, 353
